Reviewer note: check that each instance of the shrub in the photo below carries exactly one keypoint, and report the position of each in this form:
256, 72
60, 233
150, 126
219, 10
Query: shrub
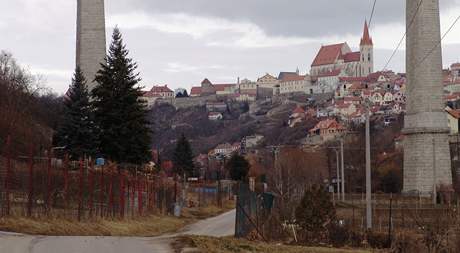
338, 235
406, 243
315, 213
378, 240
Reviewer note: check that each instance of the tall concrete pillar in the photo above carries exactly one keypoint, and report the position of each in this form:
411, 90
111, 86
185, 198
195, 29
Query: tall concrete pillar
91, 40
426, 147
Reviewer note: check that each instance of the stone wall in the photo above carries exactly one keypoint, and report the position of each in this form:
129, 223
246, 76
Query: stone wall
193, 101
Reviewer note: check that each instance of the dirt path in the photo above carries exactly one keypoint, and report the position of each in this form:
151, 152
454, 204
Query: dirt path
222, 225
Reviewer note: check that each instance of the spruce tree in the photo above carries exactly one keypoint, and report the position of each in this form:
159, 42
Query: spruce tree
77, 132
238, 167
121, 114
183, 157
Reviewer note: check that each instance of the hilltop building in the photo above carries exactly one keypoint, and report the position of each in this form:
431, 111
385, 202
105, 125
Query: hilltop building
157, 93
333, 60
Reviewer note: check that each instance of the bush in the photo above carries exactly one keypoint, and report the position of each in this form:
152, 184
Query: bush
406, 243
356, 239
338, 235
315, 213
378, 240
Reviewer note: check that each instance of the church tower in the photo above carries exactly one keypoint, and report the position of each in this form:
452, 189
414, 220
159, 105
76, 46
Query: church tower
91, 40
367, 53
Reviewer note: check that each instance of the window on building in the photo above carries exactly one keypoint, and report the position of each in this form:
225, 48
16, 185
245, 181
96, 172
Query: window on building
369, 57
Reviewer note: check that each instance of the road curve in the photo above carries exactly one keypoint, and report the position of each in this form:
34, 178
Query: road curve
223, 225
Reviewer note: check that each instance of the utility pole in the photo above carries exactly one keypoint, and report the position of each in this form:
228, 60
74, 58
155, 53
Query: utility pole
338, 173
368, 173
343, 170
434, 174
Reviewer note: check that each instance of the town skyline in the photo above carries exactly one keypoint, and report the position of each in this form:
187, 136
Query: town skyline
197, 48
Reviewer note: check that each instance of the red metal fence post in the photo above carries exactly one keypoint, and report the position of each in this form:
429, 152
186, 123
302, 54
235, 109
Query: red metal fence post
7, 176
66, 182
80, 190
111, 195
122, 195
133, 195
139, 198
31, 182
149, 196
91, 190
101, 192
48, 183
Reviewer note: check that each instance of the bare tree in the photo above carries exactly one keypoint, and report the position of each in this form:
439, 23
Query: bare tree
296, 170
19, 93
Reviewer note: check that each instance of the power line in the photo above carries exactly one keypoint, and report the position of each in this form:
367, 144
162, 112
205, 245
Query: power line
372, 13
404, 36
440, 41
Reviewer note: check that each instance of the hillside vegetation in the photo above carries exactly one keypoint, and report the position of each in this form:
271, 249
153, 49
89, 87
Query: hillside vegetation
264, 118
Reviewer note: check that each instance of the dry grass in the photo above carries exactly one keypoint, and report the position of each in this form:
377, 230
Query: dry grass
145, 226
230, 245
142, 226
208, 211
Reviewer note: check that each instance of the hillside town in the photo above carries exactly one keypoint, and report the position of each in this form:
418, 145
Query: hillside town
337, 92
192, 127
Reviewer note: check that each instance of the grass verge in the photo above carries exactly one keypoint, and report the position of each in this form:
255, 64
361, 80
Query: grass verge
143, 226
231, 245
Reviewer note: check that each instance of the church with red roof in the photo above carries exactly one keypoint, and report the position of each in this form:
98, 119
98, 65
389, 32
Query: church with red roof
340, 59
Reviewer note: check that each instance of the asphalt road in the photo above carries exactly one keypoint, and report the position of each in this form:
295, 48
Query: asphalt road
223, 225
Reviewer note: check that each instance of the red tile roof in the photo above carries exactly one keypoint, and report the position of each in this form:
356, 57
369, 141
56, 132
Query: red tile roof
327, 124
298, 110
374, 77
196, 91
366, 40
328, 54
160, 89
352, 79
151, 94
356, 86
352, 57
290, 76
453, 113
335, 72
206, 81
222, 87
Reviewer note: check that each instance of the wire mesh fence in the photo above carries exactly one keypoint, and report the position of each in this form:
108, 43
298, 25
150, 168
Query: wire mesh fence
396, 212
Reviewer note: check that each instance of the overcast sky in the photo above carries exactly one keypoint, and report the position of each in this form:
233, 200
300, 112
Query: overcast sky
180, 42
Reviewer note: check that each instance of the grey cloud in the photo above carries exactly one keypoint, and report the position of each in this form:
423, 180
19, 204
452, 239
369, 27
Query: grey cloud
41, 34
281, 17
285, 17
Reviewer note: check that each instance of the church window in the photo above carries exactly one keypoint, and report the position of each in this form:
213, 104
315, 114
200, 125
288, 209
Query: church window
369, 57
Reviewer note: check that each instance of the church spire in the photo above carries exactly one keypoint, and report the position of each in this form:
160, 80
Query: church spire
366, 40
